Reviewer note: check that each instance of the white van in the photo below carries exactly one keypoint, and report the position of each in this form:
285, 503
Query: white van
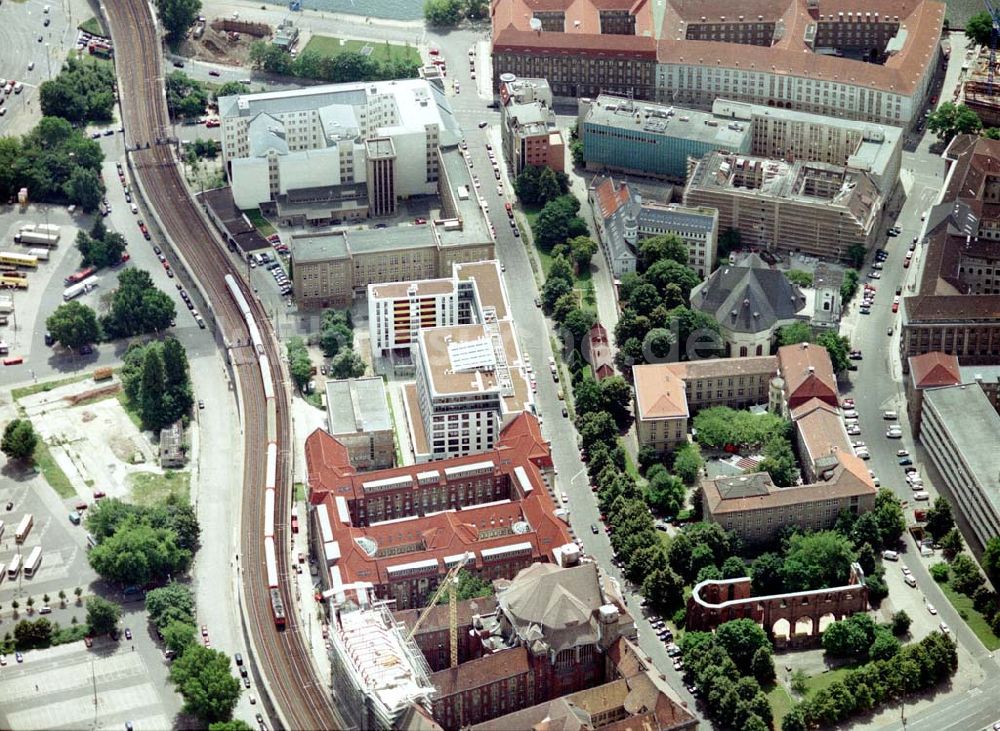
910, 581
890, 555
890, 415
921, 495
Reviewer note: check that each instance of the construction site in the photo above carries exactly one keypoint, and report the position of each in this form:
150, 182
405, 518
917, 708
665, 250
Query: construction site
981, 89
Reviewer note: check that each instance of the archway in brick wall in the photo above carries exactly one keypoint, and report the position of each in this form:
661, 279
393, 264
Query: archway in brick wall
825, 621
804, 626
781, 630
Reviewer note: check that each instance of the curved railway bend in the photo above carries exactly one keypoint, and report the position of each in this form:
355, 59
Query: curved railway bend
282, 658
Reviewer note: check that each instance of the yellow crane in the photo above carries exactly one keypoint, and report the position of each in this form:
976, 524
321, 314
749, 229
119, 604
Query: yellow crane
449, 584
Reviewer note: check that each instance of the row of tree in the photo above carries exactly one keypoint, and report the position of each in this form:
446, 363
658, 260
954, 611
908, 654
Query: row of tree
656, 322
83, 91
558, 222
55, 162
202, 676
344, 67
451, 12
728, 667
157, 382
913, 668
561, 299
539, 185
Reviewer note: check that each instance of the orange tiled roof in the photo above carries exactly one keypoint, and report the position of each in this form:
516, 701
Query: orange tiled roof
931, 370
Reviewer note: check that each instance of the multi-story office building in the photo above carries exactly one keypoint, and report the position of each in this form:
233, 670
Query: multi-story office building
628, 136
528, 125
330, 269
957, 307
337, 151
624, 218
810, 207
400, 530
647, 138
960, 430
873, 64
358, 417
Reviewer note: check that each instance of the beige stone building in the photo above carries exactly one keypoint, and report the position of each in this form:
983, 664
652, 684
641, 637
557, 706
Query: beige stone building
661, 409
753, 508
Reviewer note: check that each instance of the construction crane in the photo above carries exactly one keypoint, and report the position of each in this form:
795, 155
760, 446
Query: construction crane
449, 584
993, 43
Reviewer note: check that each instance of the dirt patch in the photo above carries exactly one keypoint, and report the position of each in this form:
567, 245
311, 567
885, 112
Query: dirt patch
219, 46
94, 394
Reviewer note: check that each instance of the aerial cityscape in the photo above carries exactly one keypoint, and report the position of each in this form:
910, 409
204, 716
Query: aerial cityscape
448, 365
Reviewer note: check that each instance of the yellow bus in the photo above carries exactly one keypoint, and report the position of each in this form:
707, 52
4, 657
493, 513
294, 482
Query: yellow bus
19, 260
13, 282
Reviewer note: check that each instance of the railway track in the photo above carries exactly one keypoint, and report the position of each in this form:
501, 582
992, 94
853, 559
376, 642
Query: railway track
283, 660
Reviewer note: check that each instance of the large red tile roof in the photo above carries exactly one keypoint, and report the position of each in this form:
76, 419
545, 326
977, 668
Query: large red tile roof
931, 370
808, 373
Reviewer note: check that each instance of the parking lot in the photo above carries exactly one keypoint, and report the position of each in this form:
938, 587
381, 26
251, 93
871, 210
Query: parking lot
72, 687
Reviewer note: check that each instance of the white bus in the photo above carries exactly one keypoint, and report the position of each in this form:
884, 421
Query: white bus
34, 559
15, 567
24, 527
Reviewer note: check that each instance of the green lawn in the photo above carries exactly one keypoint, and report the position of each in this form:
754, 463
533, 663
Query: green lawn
781, 702
976, 621
93, 26
151, 488
19, 393
380, 51
825, 679
300, 492
260, 223
133, 414
52, 472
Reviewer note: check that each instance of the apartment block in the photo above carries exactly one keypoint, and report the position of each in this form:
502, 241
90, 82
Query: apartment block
528, 125
809, 207
956, 310
661, 408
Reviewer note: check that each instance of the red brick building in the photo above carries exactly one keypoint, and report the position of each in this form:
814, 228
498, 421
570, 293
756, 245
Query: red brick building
554, 626
402, 529
433, 637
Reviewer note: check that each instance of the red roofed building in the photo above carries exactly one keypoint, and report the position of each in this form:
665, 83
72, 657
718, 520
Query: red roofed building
597, 352
808, 374
930, 370
402, 529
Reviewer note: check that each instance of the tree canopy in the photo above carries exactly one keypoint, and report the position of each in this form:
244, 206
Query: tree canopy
558, 221
73, 325
19, 440
952, 119
177, 16
537, 185
137, 307
83, 91
102, 615
718, 426
55, 162
663, 247
817, 560
101, 247
979, 29
156, 380
204, 679
186, 97
347, 364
